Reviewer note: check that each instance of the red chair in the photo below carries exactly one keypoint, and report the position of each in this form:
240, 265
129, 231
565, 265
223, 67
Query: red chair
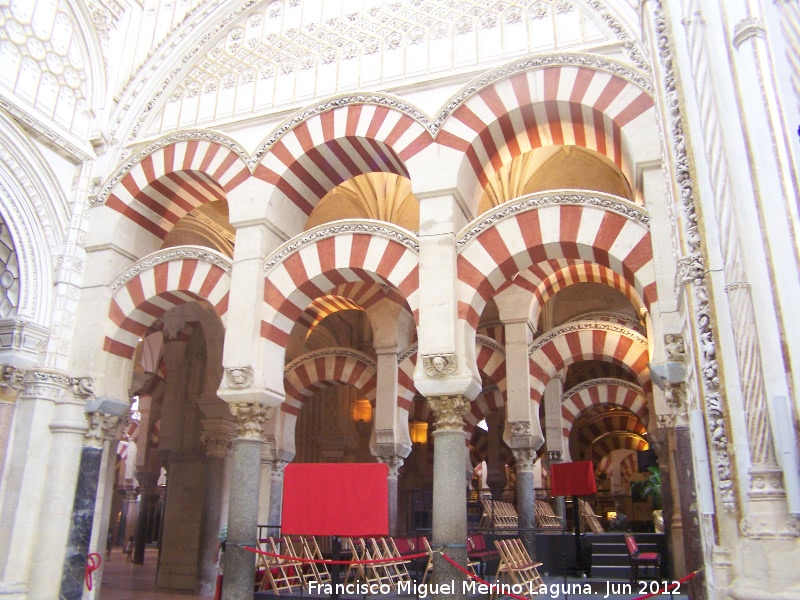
645, 559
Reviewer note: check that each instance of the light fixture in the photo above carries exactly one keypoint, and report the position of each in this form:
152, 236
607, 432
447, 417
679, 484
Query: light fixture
418, 430
611, 515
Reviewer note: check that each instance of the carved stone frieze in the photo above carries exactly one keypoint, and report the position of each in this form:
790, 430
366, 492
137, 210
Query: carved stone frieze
385, 230
439, 365
449, 411
691, 268
674, 347
249, 419
169, 254
541, 199
239, 377
612, 317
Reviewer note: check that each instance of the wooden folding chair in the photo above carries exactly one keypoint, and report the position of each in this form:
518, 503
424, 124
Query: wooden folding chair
282, 575
316, 572
355, 572
545, 517
429, 566
516, 567
589, 518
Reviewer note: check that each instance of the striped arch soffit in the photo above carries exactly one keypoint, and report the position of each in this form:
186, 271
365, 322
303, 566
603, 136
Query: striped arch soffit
159, 282
332, 146
310, 373
602, 392
628, 466
598, 421
550, 104
406, 390
312, 264
586, 227
616, 440
357, 295
587, 340
172, 177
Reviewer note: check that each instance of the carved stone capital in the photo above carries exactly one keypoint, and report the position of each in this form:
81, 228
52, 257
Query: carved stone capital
216, 436
439, 365
239, 377
278, 469
11, 383
449, 411
147, 480
102, 427
249, 419
48, 385
526, 458
394, 463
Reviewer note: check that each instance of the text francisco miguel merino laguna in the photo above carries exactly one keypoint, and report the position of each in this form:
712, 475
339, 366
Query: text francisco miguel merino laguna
422, 590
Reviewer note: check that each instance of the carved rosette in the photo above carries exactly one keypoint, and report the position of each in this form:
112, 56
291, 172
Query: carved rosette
526, 458
394, 463
249, 419
449, 411
11, 383
439, 365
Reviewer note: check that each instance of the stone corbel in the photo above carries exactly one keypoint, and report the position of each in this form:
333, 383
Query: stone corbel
12, 382
439, 365
388, 443
521, 435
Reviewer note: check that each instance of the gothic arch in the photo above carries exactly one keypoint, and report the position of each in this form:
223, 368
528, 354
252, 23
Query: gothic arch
159, 282
586, 340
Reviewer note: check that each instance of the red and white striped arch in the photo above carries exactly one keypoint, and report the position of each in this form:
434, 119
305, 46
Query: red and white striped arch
605, 423
556, 105
603, 392
628, 466
317, 370
313, 269
617, 440
406, 390
336, 145
155, 289
485, 404
166, 184
588, 340
525, 238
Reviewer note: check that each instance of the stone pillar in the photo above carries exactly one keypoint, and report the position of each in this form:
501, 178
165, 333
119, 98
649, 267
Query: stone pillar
11, 384
147, 488
554, 426
276, 496
67, 430
243, 515
496, 476
449, 490
394, 463
692, 540
104, 417
216, 437
526, 458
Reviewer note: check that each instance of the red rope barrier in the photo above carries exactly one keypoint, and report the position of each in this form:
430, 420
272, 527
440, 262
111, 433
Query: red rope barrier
93, 562
466, 572
321, 561
670, 588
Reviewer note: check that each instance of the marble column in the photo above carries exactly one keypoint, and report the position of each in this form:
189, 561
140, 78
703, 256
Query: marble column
217, 435
147, 488
243, 515
105, 421
449, 490
394, 463
526, 458
276, 497
495, 465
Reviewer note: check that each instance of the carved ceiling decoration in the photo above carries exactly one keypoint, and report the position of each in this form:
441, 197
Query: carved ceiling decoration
45, 60
290, 52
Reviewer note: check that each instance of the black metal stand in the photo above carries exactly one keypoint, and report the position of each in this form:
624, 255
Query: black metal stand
336, 555
576, 515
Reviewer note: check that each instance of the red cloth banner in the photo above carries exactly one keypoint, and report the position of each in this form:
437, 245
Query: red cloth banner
350, 500
572, 479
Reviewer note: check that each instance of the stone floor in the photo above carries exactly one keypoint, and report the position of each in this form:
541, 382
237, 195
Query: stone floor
126, 581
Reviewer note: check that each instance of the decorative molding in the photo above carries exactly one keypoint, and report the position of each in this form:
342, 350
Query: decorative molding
540, 199
48, 385
239, 378
615, 26
599, 315
384, 230
411, 350
249, 419
746, 29
449, 411
346, 352
169, 254
488, 342
439, 365
584, 326
766, 482
601, 381
692, 267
